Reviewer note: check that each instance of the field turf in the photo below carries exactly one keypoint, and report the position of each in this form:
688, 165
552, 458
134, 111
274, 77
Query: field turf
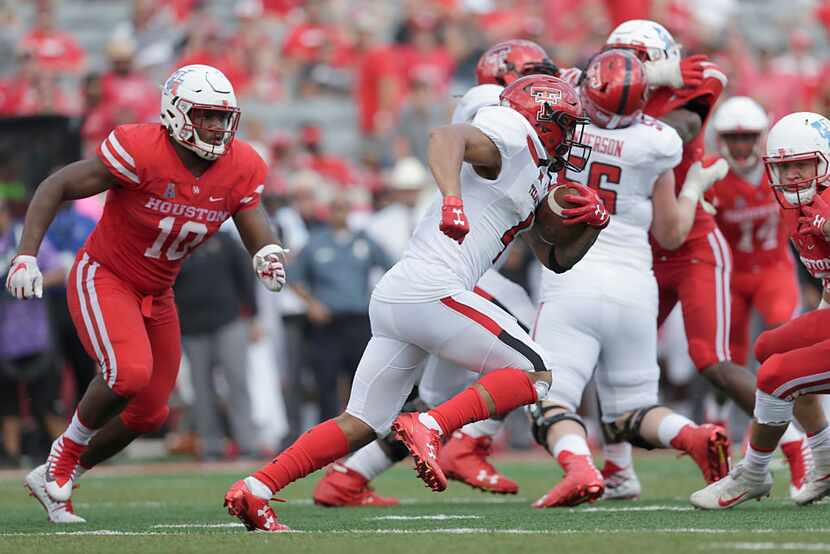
178, 510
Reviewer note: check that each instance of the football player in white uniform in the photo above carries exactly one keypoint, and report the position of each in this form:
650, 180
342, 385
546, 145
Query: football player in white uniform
492, 174
464, 456
602, 314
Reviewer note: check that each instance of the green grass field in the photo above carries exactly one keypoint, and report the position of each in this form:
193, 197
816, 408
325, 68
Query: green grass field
163, 509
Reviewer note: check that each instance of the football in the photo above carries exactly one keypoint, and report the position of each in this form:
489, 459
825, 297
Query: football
549, 222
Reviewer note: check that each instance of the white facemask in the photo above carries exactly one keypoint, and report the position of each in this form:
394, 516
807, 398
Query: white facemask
803, 196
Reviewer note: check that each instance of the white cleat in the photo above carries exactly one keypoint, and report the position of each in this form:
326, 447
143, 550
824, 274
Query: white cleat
817, 484
620, 483
62, 467
58, 512
736, 488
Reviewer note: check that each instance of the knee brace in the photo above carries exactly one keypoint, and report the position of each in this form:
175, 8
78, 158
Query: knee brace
629, 431
143, 422
543, 422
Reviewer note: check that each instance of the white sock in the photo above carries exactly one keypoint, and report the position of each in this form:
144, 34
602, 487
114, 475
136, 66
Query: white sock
370, 461
756, 461
670, 427
259, 488
792, 434
483, 428
78, 432
820, 439
618, 453
575, 444
430, 422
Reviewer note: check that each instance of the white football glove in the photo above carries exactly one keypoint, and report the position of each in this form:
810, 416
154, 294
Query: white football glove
699, 179
664, 73
269, 268
24, 280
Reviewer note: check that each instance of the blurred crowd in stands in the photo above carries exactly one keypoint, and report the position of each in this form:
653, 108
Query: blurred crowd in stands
345, 209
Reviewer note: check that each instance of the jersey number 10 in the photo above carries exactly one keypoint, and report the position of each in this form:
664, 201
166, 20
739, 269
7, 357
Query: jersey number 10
178, 249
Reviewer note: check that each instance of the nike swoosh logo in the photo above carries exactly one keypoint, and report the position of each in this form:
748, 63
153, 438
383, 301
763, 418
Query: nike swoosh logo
811, 246
726, 503
212, 199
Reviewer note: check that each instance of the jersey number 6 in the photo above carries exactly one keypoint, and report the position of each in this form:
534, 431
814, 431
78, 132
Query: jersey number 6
600, 174
178, 249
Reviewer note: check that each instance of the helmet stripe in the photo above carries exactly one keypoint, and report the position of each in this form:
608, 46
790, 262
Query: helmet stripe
626, 86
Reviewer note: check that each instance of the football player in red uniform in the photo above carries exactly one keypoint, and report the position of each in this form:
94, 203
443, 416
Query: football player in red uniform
169, 187
764, 276
795, 357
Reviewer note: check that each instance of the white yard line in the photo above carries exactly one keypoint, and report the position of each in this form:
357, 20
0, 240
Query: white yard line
776, 546
472, 531
436, 517
196, 525
637, 509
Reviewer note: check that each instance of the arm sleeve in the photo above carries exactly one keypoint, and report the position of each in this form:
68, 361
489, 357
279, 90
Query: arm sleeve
507, 129
117, 154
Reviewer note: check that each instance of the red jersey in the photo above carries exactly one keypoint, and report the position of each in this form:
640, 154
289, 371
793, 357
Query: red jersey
160, 212
703, 98
750, 219
813, 251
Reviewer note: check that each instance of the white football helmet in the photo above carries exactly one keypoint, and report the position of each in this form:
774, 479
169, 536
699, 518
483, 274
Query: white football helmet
740, 114
187, 98
796, 137
649, 38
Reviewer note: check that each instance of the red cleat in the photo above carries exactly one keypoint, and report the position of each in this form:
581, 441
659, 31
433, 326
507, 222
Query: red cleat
794, 452
423, 444
708, 446
254, 512
582, 483
343, 487
464, 458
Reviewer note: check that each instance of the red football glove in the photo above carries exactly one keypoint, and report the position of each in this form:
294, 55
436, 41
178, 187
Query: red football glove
691, 69
591, 209
815, 216
453, 221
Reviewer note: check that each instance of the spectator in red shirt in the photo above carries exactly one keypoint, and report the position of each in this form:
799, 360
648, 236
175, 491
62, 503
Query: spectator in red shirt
307, 42
427, 60
122, 84
32, 90
51, 48
208, 46
378, 86
329, 166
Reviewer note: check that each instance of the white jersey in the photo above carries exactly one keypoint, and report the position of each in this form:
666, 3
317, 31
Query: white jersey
434, 266
623, 167
473, 100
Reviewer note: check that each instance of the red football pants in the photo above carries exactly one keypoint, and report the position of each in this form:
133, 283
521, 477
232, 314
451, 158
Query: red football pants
796, 356
772, 291
135, 339
700, 281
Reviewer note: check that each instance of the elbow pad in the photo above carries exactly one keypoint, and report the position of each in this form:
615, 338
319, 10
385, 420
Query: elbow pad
553, 265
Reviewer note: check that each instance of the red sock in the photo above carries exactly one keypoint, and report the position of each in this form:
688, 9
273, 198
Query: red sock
509, 388
461, 409
316, 448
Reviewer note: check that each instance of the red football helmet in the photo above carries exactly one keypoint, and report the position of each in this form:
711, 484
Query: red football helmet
553, 108
507, 61
614, 89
